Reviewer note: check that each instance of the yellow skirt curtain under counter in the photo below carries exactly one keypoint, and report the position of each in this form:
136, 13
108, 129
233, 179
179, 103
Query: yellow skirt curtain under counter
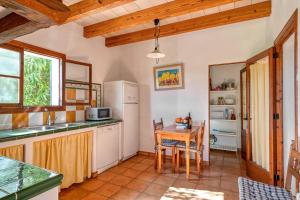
13, 152
69, 155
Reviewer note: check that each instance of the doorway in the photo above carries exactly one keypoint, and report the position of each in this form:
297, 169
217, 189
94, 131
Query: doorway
260, 131
224, 106
286, 46
271, 167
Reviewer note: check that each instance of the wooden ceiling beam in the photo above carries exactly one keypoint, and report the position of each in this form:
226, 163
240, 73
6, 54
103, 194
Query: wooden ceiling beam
11, 21
250, 12
57, 5
14, 25
87, 7
163, 11
47, 12
29, 16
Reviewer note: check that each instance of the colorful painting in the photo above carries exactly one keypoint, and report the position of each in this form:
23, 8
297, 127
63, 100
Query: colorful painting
169, 77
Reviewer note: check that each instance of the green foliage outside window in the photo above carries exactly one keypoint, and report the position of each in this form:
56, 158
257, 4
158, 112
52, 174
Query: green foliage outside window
37, 75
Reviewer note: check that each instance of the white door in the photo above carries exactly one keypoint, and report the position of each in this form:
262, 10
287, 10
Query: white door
107, 146
131, 130
131, 93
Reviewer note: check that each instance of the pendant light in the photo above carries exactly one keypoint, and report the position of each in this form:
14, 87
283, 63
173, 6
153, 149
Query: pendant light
156, 54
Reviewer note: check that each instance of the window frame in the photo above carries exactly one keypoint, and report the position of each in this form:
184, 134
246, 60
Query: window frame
22, 47
20, 77
89, 66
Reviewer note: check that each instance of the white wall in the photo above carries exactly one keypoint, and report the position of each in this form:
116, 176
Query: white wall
196, 50
282, 10
68, 39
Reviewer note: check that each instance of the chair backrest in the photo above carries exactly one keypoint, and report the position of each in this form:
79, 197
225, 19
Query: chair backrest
293, 168
200, 136
157, 126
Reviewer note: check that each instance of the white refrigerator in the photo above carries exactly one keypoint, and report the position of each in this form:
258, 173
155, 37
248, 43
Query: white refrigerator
123, 98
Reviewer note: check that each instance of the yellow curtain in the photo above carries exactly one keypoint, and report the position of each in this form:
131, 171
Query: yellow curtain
259, 109
69, 155
13, 152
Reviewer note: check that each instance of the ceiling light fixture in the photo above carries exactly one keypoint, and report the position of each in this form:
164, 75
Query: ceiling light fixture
156, 54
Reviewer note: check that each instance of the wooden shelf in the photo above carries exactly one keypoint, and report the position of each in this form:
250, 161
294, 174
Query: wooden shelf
224, 134
226, 105
226, 131
224, 120
223, 91
223, 147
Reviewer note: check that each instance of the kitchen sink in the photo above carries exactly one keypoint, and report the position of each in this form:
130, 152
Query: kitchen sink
42, 128
55, 126
66, 125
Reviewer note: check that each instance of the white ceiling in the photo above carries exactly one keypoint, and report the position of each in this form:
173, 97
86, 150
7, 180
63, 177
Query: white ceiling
120, 10
70, 2
143, 4
140, 5
3, 12
181, 18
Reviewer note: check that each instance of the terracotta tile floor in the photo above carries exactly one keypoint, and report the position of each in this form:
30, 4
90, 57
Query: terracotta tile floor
136, 179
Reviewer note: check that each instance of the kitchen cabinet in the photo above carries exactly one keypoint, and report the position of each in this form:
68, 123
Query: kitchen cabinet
107, 147
78, 71
78, 79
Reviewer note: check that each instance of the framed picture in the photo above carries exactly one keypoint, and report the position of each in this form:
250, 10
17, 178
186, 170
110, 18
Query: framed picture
169, 77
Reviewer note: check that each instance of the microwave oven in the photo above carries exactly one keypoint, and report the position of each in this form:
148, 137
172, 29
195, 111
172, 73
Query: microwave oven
99, 113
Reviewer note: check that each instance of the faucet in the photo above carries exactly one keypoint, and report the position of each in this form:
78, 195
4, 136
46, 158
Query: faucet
49, 122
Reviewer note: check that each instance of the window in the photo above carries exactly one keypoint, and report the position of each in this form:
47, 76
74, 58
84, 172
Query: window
31, 78
41, 80
10, 76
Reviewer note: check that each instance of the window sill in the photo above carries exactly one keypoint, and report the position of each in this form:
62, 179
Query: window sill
8, 110
77, 104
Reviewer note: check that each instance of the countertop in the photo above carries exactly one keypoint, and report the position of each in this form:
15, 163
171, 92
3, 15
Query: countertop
16, 134
19, 180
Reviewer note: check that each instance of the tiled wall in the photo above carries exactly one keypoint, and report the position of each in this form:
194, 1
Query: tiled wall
73, 96
19, 120
71, 114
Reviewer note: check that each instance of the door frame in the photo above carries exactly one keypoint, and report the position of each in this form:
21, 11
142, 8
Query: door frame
244, 70
209, 70
253, 170
290, 28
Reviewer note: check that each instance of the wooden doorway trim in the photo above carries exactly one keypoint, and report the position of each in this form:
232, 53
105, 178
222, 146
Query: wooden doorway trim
209, 90
289, 29
244, 70
255, 171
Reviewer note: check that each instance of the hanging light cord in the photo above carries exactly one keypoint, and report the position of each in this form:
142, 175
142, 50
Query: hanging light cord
157, 32
156, 54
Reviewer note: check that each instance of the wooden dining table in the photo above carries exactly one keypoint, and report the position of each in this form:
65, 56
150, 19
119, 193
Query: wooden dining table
172, 133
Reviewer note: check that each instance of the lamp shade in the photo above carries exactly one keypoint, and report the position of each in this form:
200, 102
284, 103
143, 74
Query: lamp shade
156, 54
